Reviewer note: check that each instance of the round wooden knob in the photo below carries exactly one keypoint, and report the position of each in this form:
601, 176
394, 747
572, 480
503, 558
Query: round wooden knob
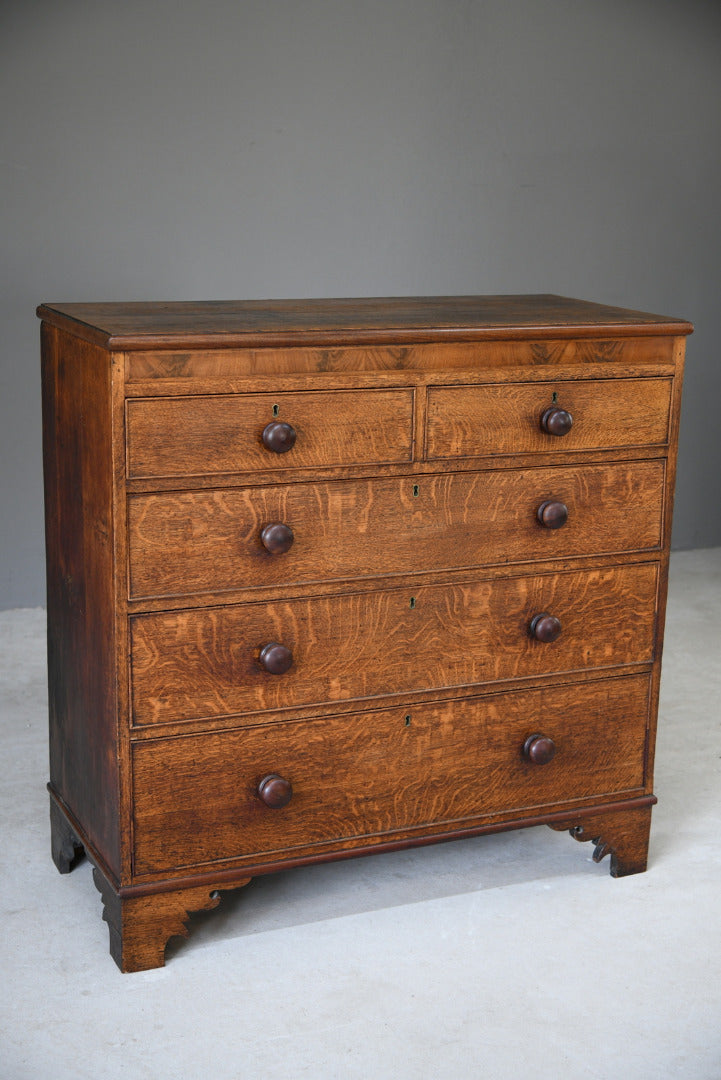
275, 658
278, 538
552, 514
278, 437
274, 791
539, 749
545, 627
556, 421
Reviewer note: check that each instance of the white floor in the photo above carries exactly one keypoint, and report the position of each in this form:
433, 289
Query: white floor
500, 957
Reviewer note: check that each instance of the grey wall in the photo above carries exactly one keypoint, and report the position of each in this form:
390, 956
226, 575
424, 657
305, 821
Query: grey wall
170, 149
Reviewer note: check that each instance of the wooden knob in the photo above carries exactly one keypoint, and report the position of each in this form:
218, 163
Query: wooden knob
552, 514
278, 437
545, 627
274, 791
556, 421
539, 749
275, 658
278, 538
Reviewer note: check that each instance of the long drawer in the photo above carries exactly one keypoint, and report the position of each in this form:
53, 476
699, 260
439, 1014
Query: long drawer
376, 774
225, 433
209, 662
494, 419
196, 542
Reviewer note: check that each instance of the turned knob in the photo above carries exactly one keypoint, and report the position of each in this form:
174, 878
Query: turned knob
556, 421
278, 437
275, 658
278, 538
552, 514
545, 627
274, 791
539, 749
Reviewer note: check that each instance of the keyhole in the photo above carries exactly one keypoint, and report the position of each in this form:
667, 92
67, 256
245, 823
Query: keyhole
554, 397
416, 490
407, 720
276, 409
413, 601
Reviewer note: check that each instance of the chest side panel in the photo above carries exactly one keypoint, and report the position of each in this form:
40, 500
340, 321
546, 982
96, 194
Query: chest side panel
83, 632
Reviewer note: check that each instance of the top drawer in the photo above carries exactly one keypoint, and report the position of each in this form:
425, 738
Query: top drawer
192, 436
473, 421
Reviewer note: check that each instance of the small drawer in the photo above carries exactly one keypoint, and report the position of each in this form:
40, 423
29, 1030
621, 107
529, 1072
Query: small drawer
379, 776
509, 418
186, 543
227, 433
249, 658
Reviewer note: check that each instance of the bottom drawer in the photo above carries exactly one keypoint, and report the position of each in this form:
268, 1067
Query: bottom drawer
383, 775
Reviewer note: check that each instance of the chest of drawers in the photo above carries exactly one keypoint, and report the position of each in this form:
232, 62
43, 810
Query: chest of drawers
327, 578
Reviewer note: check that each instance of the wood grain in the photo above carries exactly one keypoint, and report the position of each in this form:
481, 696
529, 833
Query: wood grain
79, 520
384, 772
622, 836
475, 421
445, 357
204, 663
630, 366
416, 567
367, 320
205, 435
141, 926
197, 542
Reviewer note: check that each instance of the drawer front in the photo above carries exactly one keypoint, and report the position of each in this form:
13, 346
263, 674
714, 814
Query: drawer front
374, 775
207, 663
470, 421
196, 542
193, 436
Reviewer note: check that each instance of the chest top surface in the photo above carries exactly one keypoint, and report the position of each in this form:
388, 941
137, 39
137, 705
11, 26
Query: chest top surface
234, 323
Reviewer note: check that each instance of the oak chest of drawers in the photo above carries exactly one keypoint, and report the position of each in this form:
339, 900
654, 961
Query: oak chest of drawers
334, 577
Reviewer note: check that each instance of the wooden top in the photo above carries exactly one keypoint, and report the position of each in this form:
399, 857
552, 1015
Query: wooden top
274, 323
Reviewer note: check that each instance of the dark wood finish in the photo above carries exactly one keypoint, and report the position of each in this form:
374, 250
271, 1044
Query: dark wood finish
277, 538
552, 514
276, 659
200, 435
295, 551
539, 749
477, 421
65, 846
375, 775
232, 323
545, 627
274, 791
280, 438
82, 630
200, 542
556, 421
202, 663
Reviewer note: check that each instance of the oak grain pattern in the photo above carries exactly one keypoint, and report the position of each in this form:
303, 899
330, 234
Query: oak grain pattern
196, 542
298, 381
203, 663
384, 772
469, 421
228, 363
161, 407
216, 434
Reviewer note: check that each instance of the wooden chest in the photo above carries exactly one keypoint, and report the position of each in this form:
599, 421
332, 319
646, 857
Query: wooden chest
327, 578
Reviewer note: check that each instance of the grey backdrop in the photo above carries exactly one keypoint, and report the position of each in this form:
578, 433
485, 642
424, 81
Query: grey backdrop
170, 149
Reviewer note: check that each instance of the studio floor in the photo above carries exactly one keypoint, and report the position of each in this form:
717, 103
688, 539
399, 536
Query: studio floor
503, 956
